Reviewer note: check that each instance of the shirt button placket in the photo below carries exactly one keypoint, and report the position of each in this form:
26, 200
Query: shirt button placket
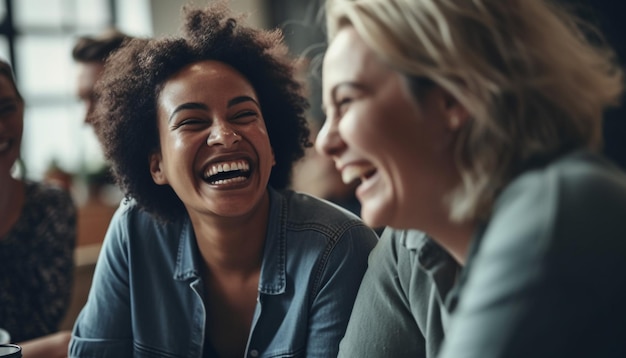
254, 353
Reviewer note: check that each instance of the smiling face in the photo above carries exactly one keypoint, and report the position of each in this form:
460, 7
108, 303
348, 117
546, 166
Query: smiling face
215, 150
377, 133
11, 125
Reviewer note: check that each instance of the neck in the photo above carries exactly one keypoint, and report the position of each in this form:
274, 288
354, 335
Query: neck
233, 245
455, 238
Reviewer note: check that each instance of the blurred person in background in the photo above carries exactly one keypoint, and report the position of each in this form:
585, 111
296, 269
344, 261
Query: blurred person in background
90, 54
37, 238
315, 174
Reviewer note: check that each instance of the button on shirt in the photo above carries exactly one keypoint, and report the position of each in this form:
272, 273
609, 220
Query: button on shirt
146, 298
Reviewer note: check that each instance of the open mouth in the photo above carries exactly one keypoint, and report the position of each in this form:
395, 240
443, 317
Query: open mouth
227, 172
357, 173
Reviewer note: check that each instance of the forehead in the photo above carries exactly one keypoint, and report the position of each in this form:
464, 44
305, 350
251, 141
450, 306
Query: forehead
348, 58
207, 78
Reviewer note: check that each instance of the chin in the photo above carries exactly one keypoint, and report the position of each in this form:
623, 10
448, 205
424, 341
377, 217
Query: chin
375, 217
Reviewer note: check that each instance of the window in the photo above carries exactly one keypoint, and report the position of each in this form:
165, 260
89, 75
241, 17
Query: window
37, 37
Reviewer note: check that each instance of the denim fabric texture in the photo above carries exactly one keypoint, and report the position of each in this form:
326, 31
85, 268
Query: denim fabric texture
147, 295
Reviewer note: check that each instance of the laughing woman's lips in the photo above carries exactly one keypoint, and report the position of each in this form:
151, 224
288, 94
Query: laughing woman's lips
353, 172
227, 172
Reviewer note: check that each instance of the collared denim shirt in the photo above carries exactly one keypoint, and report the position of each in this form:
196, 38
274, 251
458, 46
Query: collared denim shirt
146, 298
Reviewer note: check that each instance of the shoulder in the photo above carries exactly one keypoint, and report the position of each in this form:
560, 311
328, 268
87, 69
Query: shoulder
48, 195
46, 203
579, 182
317, 220
130, 219
574, 199
304, 209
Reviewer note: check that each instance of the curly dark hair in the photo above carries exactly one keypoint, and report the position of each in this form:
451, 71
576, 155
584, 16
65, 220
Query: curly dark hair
125, 111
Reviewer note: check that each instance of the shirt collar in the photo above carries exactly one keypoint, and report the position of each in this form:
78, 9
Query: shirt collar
186, 265
273, 270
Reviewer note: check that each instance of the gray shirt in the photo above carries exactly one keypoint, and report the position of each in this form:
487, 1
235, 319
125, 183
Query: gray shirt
547, 277
399, 310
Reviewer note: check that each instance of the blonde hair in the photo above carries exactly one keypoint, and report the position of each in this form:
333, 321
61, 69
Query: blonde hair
533, 83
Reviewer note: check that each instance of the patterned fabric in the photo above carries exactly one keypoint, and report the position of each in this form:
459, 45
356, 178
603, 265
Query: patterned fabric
36, 264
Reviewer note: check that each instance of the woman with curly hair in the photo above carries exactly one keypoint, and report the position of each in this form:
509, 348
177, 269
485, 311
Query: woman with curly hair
210, 256
479, 122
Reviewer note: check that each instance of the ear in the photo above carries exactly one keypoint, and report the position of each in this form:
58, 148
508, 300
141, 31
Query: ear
158, 176
273, 158
456, 113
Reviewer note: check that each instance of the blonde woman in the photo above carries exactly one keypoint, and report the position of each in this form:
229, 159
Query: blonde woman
478, 122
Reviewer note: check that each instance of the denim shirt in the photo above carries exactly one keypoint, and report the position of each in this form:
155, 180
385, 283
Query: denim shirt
146, 298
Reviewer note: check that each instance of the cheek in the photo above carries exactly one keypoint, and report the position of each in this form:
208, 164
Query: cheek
178, 150
179, 143
359, 129
375, 128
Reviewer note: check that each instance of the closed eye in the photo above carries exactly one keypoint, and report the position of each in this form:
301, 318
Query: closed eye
342, 104
189, 123
245, 116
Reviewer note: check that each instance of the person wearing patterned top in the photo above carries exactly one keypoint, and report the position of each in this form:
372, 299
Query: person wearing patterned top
37, 238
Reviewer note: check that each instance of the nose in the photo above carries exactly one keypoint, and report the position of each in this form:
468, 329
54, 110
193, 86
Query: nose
329, 141
222, 134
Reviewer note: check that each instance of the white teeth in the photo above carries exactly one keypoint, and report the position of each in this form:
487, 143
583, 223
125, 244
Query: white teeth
354, 172
227, 167
228, 181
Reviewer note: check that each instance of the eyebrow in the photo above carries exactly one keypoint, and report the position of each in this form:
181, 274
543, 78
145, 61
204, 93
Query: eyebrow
190, 105
242, 99
202, 106
333, 92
